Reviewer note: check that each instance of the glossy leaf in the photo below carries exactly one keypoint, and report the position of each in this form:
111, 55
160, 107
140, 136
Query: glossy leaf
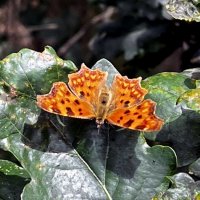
15, 113
193, 73
73, 175
128, 161
66, 161
183, 187
183, 9
10, 168
190, 99
107, 66
165, 88
107, 165
195, 168
22, 76
29, 72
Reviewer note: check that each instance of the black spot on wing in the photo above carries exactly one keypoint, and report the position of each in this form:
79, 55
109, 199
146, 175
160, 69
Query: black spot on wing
62, 101
140, 127
128, 123
82, 94
67, 100
139, 117
127, 112
69, 111
77, 102
126, 103
67, 93
139, 107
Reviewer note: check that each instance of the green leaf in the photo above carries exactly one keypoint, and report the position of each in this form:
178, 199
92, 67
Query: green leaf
193, 73
10, 168
190, 99
30, 72
15, 113
183, 188
22, 76
183, 136
123, 167
129, 161
105, 65
194, 168
87, 163
183, 9
165, 88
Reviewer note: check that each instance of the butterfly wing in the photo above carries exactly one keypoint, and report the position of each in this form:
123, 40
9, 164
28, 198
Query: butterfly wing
86, 84
140, 117
62, 101
127, 92
79, 99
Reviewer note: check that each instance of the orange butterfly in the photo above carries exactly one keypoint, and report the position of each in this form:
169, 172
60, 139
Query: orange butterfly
87, 96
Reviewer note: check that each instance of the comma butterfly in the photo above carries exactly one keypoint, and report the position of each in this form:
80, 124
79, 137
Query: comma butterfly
87, 96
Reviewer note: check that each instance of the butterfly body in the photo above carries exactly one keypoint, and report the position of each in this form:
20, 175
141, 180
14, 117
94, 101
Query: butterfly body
87, 96
103, 105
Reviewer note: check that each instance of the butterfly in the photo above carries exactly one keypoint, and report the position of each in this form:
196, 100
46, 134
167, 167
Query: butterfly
87, 96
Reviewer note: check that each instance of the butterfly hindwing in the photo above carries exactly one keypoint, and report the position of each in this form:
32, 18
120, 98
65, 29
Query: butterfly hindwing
140, 117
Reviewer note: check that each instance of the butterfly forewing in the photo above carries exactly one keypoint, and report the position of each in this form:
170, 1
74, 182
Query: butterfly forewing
127, 92
87, 83
62, 101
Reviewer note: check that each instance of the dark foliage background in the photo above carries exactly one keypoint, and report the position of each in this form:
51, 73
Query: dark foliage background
138, 36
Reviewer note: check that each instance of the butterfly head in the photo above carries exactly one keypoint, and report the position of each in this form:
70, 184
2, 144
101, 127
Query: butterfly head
99, 122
